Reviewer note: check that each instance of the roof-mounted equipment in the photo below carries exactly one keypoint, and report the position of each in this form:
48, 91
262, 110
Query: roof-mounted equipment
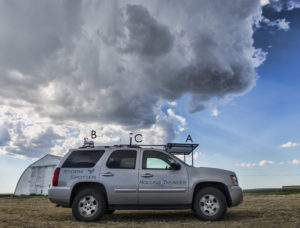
87, 144
181, 149
176, 148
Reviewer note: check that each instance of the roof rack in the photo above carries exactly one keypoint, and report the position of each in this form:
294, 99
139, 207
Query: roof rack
173, 148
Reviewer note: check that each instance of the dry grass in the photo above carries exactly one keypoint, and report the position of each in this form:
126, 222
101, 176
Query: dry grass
256, 211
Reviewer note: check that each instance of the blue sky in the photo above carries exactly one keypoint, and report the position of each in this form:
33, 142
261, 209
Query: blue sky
252, 127
182, 85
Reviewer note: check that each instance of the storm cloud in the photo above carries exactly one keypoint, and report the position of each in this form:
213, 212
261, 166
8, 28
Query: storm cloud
4, 136
117, 62
146, 36
112, 61
21, 144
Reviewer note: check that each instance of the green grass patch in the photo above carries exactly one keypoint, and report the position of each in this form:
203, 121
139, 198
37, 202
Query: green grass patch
20, 196
6, 195
272, 191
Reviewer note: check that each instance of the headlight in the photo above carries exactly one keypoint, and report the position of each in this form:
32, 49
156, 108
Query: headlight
234, 180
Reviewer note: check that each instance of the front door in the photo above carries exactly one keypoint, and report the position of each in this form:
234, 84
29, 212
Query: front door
120, 176
159, 184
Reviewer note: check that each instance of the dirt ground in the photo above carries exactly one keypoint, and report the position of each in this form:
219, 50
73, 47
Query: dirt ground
255, 211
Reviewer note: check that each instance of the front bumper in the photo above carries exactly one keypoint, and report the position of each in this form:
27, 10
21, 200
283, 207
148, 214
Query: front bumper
236, 195
60, 195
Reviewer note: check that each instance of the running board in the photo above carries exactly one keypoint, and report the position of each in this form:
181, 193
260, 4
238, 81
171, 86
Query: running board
148, 207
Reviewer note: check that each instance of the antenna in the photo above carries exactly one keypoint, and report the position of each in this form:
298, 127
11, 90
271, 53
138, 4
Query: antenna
130, 138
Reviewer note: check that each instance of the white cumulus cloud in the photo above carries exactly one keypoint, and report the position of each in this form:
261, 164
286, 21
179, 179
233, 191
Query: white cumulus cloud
247, 165
265, 162
289, 144
280, 24
253, 164
280, 5
294, 162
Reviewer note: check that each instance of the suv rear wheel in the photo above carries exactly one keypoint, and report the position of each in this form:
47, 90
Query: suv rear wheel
88, 205
210, 204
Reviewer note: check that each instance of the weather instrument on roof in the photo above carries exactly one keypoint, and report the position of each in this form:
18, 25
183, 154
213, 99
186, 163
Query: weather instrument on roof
182, 149
177, 149
87, 143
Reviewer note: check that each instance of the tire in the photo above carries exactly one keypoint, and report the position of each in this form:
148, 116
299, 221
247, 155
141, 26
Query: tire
88, 205
210, 204
109, 212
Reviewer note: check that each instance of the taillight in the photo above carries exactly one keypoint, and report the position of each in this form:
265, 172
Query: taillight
55, 177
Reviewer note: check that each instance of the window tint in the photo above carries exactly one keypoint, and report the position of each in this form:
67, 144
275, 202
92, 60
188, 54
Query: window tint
156, 160
122, 159
83, 158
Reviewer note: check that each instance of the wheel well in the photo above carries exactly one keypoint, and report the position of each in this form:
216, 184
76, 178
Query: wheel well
220, 186
80, 186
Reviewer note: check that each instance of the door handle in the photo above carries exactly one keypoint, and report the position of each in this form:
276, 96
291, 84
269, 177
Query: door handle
147, 175
108, 174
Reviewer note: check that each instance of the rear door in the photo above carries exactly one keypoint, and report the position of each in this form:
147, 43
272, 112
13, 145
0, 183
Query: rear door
120, 176
158, 183
80, 166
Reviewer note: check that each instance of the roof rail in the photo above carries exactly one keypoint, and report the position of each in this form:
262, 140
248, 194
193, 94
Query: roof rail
126, 145
174, 148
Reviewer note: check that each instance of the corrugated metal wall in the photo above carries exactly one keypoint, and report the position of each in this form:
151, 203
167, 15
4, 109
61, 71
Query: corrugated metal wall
36, 179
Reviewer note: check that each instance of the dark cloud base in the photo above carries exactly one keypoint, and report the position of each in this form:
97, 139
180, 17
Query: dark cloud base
117, 62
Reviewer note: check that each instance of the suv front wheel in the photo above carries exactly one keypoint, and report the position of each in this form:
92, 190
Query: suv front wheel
210, 204
88, 205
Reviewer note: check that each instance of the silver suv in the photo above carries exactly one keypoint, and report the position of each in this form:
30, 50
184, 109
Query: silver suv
98, 180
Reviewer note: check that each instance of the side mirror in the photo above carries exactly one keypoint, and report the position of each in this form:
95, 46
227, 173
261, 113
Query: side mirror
174, 165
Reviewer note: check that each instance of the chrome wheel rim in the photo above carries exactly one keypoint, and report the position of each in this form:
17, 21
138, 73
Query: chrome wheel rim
209, 205
88, 206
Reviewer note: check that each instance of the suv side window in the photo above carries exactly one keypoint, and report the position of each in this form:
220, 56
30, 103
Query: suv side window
83, 158
156, 160
122, 159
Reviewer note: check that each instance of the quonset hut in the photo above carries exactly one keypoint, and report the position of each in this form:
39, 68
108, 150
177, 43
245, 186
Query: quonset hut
36, 179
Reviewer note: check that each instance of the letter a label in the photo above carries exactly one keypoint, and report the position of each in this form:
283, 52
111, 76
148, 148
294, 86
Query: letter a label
189, 138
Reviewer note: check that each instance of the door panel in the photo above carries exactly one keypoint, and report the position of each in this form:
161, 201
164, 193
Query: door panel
159, 186
120, 177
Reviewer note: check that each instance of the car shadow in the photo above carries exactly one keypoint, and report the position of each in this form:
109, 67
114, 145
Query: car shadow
242, 215
148, 216
180, 216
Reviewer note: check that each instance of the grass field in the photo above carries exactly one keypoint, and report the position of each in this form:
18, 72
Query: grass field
257, 210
